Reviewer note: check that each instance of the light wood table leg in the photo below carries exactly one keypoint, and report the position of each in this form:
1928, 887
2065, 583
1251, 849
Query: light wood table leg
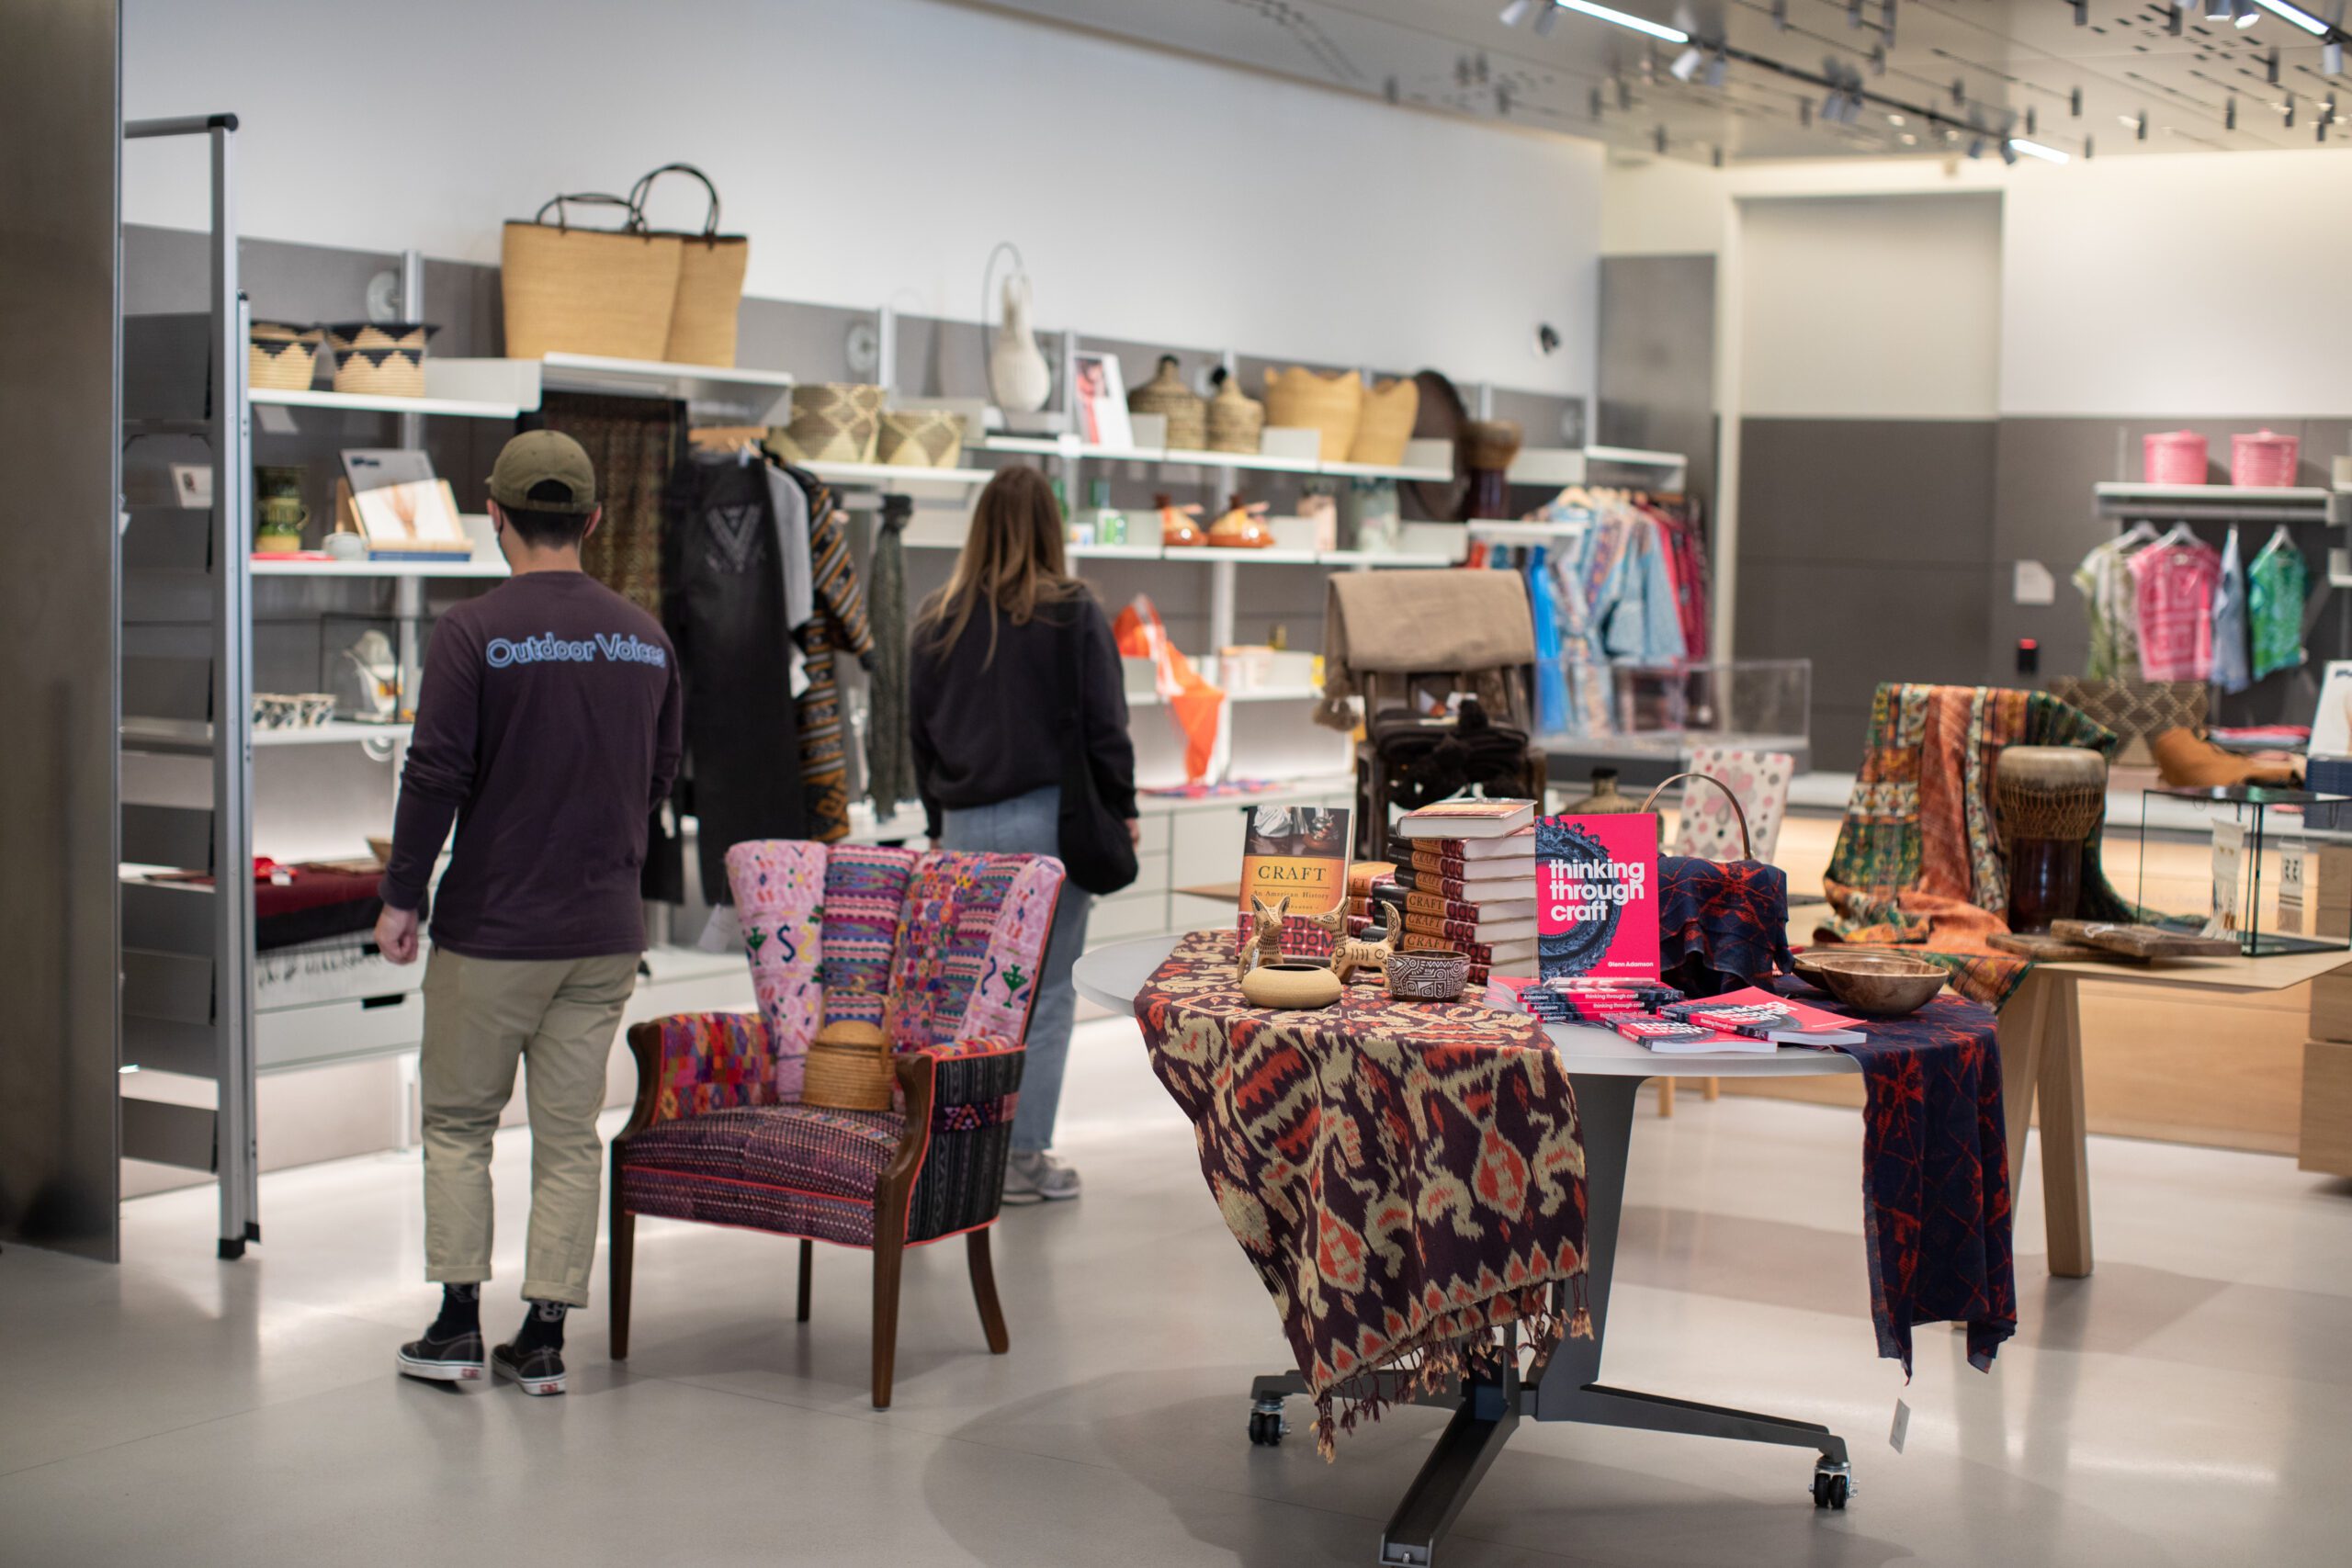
2065, 1149
1711, 1088
1666, 1097
2022, 1024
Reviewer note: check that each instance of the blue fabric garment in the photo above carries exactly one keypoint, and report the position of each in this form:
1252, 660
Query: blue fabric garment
1550, 677
1031, 824
2231, 671
1646, 625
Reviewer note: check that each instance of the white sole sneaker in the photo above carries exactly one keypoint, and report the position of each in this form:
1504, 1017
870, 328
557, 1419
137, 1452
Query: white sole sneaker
535, 1386
437, 1371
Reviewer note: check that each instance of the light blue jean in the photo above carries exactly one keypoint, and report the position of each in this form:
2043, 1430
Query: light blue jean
1030, 825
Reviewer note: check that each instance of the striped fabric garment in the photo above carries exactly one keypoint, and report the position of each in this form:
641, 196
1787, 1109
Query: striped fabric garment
839, 627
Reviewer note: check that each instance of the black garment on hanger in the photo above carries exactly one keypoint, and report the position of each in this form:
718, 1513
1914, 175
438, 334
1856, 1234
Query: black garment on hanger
722, 596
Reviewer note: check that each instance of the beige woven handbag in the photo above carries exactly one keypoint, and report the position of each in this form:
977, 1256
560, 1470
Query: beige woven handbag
603, 292
710, 279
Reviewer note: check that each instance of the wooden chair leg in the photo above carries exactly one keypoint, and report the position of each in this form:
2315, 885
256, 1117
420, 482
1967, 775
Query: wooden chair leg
975, 1252
1666, 1097
622, 1264
1711, 1088
808, 1264
889, 1251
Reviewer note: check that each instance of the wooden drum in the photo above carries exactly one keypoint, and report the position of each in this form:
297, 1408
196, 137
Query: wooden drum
2050, 800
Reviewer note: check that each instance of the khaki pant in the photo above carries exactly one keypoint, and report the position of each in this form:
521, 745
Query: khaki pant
481, 1016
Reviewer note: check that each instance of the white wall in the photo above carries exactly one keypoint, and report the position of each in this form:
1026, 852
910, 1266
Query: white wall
875, 151
2206, 284
1876, 309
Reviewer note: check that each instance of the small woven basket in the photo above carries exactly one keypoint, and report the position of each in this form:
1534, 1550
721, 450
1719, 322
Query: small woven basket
832, 422
282, 357
1389, 410
1235, 419
2173, 458
1185, 410
1298, 399
2265, 460
849, 1068
919, 438
384, 359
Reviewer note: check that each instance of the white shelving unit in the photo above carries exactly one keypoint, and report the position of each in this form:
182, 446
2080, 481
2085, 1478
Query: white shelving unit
2222, 503
746, 396
1527, 532
895, 476
1428, 471
370, 402
327, 569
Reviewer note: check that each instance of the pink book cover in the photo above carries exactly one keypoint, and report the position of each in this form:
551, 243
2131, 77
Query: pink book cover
1596, 905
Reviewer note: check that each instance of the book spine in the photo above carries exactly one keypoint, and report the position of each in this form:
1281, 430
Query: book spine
1440, 905
1479, 954
1454, 930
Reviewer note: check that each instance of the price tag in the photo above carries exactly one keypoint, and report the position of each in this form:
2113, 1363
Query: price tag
1902, 1428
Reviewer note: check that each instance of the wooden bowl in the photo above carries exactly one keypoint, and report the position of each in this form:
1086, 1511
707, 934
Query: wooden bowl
1875, 984
1291, 986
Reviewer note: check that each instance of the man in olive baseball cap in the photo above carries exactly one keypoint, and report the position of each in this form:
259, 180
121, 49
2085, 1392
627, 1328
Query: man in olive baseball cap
547, 732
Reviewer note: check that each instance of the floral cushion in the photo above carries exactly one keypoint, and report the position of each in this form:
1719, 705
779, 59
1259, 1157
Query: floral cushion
779, 888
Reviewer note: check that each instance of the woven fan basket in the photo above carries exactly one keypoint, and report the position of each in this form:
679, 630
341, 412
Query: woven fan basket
281, 357
1186, 411
1298, 399
589, 290
849, 1068
1389, 410
832, 422
2265, 458
2173, 458
1235, 419
919, 438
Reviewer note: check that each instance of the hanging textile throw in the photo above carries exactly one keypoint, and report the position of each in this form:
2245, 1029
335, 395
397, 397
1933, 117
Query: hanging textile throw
838, 626
1405, 1176
2275, 587
889, 755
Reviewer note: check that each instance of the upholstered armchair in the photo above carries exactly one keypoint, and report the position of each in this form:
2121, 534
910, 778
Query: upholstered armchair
942, 951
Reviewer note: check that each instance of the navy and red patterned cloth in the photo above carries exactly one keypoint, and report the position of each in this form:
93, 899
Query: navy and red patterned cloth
1935, 1174
1722, 925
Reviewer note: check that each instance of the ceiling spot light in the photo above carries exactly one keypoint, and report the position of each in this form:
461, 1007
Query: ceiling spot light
1854, 13
2247, 16
1626, 19
2174, 18
1976, 147
2082, 13
1660, 141
1596, 103
1719, 157
1779, 15
1546, 20
2034, 150
1909, 139
1718, 68
2087, 149
2074, 102
1958, 90
2271, 64
2291, 111
2331, 57
2290, 13
1804, 113
2219, 10
1686, 64
2008, 151
2230, 115
1896, 119
2028, 122
1887, 23
2142, 133
1515, 12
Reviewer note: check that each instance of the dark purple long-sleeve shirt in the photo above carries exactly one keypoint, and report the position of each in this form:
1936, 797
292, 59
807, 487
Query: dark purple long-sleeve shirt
548, 729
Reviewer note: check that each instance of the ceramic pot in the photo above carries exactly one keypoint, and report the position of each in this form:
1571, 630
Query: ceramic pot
1429, 975
1290, 986
1018, 374
278, 512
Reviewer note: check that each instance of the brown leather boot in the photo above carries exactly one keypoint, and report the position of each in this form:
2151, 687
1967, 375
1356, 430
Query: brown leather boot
2186, 760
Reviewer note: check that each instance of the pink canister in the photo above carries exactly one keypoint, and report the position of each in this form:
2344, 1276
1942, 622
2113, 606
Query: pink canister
2265, 460
2174, 458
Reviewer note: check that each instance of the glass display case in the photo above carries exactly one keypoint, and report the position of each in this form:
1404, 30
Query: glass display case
1599, 709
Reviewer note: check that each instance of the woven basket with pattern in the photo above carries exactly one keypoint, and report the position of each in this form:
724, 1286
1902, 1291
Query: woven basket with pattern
282, 357
1187, 412
848, 1068
919, 438
832, 422
1235, 418
384, 359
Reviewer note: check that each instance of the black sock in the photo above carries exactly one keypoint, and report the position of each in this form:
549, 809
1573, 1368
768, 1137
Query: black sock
460, 1312
542, 1326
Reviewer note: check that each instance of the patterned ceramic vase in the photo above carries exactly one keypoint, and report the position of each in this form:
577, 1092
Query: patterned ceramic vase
1430, 976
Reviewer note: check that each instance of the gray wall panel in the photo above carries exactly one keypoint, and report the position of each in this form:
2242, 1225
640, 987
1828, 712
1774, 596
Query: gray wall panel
1866, 547
60, 92
1656, 368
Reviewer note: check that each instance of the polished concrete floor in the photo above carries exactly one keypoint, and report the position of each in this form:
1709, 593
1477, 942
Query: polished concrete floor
2191, 1404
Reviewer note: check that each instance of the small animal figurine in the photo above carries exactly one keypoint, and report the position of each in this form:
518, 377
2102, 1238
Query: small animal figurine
1265, 943
1352, 953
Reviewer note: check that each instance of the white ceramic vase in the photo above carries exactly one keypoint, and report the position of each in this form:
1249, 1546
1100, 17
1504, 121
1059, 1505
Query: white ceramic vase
1018, 373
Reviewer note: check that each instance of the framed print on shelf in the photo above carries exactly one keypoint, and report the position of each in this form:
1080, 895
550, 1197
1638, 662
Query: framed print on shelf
1099, 396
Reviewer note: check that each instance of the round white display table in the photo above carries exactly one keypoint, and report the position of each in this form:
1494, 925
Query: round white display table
1605, 1069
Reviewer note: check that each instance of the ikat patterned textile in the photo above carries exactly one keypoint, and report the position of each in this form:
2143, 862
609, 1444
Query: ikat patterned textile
780, 895
1935, 1175
865, 890
971, 940
1722, 925
793, 1168
1405, 1176
714, 1061
1916, 861
839, 627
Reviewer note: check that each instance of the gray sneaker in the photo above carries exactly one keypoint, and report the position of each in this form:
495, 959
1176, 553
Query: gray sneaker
1037, 1179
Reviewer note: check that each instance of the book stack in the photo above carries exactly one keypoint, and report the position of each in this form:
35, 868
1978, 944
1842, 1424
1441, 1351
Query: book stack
1470, 883
1370, 884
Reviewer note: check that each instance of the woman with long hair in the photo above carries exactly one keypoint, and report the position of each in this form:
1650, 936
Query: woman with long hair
998, 654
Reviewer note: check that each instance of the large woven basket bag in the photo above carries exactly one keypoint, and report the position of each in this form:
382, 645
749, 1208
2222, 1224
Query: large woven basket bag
1389, 410
710, 279
1299, 399
602, 291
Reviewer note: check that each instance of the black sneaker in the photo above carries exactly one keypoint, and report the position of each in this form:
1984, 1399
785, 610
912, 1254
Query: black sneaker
536, 1369
457, 1358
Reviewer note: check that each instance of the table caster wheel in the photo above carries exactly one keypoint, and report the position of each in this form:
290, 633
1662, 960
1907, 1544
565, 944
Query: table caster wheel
1832, 1486
1267, 1425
